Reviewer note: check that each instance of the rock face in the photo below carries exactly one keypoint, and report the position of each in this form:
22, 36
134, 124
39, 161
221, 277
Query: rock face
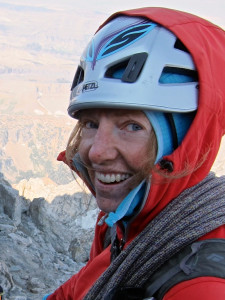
44, 241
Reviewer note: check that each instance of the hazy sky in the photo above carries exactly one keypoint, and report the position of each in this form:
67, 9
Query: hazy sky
212, 10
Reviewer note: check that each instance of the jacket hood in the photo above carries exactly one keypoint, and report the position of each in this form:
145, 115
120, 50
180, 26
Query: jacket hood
206, 43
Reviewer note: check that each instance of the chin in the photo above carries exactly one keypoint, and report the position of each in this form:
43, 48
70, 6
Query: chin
107, 205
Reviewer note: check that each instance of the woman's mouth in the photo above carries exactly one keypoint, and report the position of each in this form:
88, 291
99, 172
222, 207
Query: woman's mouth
111, 178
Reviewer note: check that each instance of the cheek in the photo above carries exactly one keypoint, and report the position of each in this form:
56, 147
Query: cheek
138, 156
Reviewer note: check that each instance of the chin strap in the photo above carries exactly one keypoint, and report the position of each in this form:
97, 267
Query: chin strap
127, 206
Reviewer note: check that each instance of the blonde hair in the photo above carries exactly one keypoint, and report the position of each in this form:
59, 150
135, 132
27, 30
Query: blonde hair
73, 142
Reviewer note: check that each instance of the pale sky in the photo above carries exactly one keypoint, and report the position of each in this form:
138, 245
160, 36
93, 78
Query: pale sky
212, 10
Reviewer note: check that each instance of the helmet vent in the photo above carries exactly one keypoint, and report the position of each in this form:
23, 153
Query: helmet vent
116, 71
172, 75
179, 45
78, 78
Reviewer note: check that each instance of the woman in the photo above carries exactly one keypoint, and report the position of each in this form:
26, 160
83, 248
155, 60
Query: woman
149, 97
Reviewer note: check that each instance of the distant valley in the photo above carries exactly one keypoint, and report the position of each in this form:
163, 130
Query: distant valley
29, 147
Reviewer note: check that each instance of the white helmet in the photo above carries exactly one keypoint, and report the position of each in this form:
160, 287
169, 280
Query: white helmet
125, 64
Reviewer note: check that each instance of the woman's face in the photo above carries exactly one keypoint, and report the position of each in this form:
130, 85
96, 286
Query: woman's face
115, 147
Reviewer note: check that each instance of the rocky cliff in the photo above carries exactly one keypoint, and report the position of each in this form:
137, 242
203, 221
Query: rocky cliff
44, 240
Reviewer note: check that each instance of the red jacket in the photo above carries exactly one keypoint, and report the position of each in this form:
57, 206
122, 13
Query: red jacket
206, 42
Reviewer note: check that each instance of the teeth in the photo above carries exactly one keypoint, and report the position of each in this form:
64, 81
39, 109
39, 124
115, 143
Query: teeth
118, 178
107, 178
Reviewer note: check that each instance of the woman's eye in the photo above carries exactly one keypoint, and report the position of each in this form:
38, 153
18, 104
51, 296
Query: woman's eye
91, 125
134, 127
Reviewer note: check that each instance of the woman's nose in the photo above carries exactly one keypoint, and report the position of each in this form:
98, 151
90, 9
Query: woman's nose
103, 148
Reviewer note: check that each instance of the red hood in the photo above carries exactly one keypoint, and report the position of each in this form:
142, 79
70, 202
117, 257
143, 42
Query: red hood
206, 43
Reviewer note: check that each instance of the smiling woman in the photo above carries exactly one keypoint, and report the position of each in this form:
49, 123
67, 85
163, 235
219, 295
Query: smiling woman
118, 148
149, 96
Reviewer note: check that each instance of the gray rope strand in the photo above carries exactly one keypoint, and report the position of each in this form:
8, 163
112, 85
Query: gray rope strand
195, 212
